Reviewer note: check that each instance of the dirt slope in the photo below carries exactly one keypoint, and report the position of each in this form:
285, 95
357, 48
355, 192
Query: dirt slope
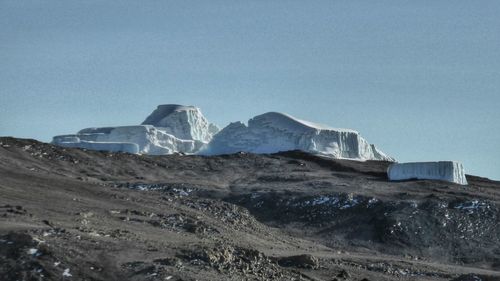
70, 214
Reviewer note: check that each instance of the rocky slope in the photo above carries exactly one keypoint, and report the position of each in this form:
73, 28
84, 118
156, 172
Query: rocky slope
72, 214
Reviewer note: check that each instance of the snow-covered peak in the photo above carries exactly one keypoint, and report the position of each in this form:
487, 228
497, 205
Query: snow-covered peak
184, 122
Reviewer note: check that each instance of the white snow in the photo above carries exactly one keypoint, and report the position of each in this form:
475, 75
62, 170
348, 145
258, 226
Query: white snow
172, 128
330, 200
66, 273
273, 132
106, 146
151, 140
324, 199
175, 128
169, 129
451, 171
32, 251
184, 122
473, 205
371, 202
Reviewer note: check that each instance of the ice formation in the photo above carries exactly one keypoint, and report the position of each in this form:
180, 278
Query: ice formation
273, 132
169, 129
450, 171
183, 122
106, 146
176, 128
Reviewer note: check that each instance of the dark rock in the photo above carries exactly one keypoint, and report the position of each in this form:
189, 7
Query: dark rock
343, 274
301, 261
476, 277
170, 261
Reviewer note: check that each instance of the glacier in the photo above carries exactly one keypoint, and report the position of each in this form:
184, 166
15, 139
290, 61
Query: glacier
450, 171
173, 128
273, 132
183, 122
105, 146
168, 129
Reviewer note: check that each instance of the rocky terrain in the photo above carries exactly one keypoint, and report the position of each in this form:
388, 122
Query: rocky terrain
73, 214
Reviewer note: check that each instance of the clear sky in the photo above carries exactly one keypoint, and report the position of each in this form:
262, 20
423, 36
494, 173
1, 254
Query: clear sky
420, 79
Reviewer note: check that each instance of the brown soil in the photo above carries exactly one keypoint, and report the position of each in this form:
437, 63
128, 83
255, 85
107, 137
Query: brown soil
71, 214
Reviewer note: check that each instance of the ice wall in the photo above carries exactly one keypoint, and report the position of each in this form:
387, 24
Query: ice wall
105, 146
168, 129
174, 128
450, 171
148, 139
183, 122
273, 132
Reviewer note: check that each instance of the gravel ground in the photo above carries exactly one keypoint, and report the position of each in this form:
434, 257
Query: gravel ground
71, 214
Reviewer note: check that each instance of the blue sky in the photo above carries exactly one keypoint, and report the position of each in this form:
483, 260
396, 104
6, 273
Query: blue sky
420, 79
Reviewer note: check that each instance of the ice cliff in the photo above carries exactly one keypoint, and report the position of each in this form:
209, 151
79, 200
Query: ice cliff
174, 128
450, 171
73, 141
183, 122
272, 132
169, 129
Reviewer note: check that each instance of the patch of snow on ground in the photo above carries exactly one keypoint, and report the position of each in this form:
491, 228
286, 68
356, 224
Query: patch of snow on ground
66, 273
33, 252
371, 202
324, 199
471, 206
474, 204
